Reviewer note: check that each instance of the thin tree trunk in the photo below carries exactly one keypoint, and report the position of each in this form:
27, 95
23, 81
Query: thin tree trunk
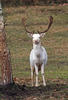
6, 68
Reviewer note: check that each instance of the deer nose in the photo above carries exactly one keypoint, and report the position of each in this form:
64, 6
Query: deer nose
36, 42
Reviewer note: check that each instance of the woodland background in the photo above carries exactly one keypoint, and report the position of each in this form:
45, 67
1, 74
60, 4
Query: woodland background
33, 2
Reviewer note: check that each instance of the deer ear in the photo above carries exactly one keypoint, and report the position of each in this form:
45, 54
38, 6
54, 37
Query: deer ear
30, 35
42, 35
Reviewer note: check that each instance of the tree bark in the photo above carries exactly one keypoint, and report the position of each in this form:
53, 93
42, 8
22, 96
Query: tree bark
6, 68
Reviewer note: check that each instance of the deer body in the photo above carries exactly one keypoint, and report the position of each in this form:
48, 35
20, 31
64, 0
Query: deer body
38, 55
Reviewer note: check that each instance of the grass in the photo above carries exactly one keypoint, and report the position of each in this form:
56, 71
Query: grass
55, 40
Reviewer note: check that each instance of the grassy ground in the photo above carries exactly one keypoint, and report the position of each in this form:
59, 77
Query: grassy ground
55, 40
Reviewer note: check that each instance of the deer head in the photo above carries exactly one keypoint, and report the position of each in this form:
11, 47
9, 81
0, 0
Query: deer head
36, 36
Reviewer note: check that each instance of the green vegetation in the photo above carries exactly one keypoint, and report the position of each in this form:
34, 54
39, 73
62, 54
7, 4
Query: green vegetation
55, 40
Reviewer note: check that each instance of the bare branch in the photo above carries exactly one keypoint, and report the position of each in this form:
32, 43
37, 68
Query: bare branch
5, 22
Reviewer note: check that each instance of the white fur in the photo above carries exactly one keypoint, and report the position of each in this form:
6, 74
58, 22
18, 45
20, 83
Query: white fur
38, 56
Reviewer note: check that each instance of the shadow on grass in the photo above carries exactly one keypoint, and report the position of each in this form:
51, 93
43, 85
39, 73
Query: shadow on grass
22, 92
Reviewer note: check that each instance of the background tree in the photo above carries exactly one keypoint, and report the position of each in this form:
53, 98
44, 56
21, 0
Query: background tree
6, 68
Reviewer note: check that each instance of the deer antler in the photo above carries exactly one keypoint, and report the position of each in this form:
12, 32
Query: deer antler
50, 23
23, 20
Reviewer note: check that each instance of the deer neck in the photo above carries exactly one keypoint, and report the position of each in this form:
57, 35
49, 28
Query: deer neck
36, 46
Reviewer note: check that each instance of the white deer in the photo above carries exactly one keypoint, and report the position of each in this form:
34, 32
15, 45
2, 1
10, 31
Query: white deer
38, 55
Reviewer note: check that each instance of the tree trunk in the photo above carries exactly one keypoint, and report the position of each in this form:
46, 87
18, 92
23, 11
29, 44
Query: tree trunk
6, 69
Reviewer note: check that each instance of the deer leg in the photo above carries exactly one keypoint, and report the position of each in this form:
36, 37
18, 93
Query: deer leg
42, 73
36, 71
32, 76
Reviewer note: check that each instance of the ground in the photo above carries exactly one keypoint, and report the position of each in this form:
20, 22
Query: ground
55, 90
